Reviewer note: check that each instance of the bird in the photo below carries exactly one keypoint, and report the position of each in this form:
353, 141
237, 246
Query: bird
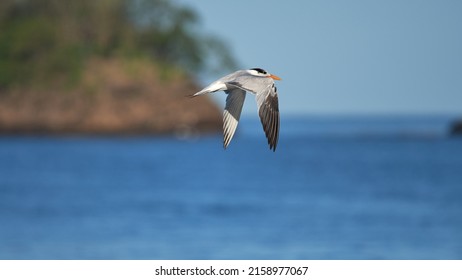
258, 82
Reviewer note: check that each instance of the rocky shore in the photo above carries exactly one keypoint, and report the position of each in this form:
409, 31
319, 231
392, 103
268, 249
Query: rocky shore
116, 98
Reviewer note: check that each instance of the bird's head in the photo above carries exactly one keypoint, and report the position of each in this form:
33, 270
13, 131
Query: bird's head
262, 73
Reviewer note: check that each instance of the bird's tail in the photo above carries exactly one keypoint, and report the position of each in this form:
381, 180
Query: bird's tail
211, 88
204, 91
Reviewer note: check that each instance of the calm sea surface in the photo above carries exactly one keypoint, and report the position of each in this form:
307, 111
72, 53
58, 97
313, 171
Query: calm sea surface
355, 188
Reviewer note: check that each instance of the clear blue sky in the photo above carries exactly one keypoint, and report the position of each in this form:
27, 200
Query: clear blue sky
347, 57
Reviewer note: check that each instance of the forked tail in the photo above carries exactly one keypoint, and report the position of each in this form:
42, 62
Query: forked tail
216, 86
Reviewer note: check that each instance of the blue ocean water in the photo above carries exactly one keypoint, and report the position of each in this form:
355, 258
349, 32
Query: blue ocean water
336, 188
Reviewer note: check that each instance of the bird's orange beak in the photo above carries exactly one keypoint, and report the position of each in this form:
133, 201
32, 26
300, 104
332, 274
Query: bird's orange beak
274, 77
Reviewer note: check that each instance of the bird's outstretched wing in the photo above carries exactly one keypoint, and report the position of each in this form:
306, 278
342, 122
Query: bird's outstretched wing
232, 113
268, 110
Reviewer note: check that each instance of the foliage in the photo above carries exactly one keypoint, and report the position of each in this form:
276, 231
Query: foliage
49, 40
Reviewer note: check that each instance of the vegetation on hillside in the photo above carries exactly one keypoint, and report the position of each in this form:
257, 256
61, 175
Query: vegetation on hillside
49, 41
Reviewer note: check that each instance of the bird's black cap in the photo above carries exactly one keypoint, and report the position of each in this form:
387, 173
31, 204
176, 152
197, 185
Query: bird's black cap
259, 70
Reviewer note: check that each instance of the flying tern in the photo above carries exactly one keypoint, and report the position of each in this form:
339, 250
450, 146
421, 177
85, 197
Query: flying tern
256, 81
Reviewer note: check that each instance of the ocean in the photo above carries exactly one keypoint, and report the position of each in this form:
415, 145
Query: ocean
336, 188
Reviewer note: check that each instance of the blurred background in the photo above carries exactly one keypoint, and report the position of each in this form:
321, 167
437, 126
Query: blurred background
103, 157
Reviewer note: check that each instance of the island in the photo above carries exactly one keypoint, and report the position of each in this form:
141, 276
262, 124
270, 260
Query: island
114, 97
118, 67
456, 128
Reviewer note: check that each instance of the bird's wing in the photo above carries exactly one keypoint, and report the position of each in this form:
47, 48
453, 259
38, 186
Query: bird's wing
268, 110
232, 113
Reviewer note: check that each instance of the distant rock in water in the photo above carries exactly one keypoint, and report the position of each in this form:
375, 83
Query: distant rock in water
114, 97
456, 128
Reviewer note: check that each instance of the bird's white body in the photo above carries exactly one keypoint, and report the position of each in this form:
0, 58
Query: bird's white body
235, 85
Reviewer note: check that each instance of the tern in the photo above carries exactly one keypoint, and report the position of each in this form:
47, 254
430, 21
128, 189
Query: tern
256, 81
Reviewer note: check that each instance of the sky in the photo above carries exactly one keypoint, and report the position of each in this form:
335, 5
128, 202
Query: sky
346, 57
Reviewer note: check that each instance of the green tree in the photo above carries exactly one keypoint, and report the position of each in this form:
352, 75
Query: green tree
48, 40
